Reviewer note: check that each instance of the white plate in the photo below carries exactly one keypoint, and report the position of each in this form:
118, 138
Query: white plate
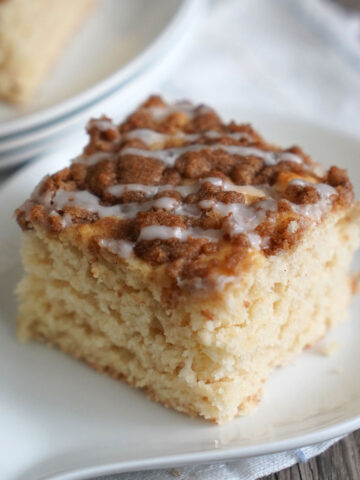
61, 420
121, 38
116, 104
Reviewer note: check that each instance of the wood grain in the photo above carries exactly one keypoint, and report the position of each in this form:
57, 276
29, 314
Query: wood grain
340, 462
350, 4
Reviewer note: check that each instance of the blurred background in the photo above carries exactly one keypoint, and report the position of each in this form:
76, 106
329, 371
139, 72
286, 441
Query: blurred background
292, 57
299, 57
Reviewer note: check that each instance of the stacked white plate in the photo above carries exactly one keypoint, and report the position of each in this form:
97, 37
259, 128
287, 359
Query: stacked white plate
120, 55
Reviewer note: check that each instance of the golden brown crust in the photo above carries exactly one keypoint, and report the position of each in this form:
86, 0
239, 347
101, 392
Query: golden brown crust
202, 185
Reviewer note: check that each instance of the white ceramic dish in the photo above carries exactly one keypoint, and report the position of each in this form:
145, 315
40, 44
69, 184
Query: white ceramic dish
124, 37
60, 420
115, 104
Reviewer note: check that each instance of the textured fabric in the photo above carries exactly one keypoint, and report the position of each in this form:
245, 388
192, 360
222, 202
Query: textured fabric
243, 469
298, 57
289, 56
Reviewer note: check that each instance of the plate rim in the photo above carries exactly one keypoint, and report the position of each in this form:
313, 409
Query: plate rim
336, 429
209, 456
142, 60
41, 142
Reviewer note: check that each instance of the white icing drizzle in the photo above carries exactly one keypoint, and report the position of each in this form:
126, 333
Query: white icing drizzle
93, 159
87, 201
101, 124
148, 136
325, 191
233, 135
151, 137
217, 181
130, 210
161, 112
161, 232
81, 199
293, 227
151, 190
247, 190
167, 203
314, 211
240, 219
243, 218
256, 241
270, 205
170, 155
122, 248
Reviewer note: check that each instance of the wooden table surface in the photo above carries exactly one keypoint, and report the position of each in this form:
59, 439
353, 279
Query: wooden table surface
340, 462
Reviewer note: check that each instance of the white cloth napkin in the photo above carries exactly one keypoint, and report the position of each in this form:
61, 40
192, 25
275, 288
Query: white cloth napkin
243, 469
299, 57
290, 56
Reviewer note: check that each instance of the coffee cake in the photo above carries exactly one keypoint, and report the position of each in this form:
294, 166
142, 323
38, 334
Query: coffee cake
187, 256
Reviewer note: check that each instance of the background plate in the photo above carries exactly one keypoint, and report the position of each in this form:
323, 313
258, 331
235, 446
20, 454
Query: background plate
119, 39
59, 419
115, 104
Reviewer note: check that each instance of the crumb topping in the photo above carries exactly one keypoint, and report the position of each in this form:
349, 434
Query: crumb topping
176, 186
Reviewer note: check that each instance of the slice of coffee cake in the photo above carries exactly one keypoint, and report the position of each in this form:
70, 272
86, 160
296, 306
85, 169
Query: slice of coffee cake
187, 256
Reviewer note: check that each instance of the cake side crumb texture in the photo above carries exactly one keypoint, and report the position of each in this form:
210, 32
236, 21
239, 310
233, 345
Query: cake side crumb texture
187, 256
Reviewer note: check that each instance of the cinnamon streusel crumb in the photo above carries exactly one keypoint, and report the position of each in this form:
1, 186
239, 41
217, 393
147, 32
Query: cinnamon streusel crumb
180, 184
